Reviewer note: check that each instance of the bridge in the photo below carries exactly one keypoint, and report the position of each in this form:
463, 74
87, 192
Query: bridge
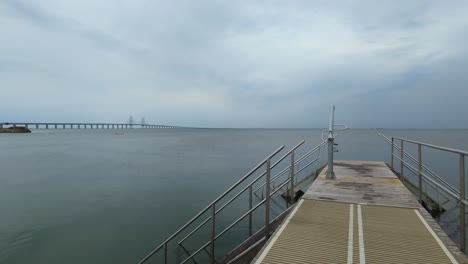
36, 125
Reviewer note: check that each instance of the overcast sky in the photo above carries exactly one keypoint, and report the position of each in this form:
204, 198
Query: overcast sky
236, 63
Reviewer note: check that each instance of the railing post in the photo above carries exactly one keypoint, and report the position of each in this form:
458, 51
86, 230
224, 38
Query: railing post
392, 153
462, 205
420, 172
267, 202
213, 230
250, 208
401, 160
165, 253
291, 192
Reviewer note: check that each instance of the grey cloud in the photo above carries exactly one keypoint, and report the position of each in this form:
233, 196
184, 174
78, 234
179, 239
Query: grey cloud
241, 64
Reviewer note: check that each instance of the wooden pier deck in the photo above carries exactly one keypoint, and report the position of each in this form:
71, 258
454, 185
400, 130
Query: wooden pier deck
365, 215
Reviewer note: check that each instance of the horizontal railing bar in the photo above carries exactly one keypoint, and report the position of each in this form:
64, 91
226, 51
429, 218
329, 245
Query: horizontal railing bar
287, 169
287, 154
216, 200
295, 163
188, 254
435, 176
425, 176
196, 252
281, 186
435, 185
311, 151
310, 175
434, 146
240, 218
221, 208
281, 159
237, 195
258, 232
279, 174
303, 168
250, 211
194, 230
446, 193
447, 185
432, 173
247, 250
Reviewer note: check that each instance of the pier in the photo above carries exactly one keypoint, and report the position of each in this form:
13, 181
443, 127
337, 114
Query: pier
314, 209
83, 125
365, 215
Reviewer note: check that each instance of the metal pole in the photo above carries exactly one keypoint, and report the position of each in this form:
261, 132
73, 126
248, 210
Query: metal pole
462, 205
420, 172
401, 160
267, 202
291, 192
330, 173
213, 230
392, 153
250, 208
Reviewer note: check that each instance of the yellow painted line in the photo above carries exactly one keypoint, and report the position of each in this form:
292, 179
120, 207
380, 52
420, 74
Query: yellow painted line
350, 234
277, 234
444, 248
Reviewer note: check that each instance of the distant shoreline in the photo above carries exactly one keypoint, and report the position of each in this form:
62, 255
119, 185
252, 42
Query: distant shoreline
15, 130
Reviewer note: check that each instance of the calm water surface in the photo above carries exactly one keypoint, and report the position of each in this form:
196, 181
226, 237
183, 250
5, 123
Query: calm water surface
91, 196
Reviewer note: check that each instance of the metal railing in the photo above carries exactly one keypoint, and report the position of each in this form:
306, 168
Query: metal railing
428, 177
207, 218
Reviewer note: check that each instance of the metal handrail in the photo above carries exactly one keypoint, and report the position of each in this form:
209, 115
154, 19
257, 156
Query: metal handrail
248, 186
306, 155
431, 181
234, 223
211, 204
279, 160
432, 173
457, 151
288, 179
247, 213
311, 151
252, 208
219, 210
241, 192
434, 180
250, 211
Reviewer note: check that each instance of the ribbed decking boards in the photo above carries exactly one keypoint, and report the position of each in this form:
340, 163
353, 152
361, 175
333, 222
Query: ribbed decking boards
366, 215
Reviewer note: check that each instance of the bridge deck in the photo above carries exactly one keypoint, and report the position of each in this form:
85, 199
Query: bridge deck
365, 215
